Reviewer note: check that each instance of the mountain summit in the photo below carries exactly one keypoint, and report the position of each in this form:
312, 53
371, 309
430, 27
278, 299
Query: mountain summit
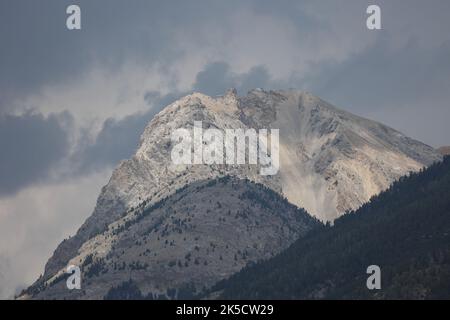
331, 161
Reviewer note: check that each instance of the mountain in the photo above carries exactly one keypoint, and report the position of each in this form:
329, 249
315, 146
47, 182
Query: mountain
405, 231
445, 151
189, 240
331, 161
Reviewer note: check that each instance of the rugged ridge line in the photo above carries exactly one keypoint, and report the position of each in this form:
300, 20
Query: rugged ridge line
331, 161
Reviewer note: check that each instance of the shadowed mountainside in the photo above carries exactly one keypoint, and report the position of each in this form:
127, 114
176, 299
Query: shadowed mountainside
405, 231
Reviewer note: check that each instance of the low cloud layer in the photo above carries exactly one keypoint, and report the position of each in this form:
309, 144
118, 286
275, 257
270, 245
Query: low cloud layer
31, 145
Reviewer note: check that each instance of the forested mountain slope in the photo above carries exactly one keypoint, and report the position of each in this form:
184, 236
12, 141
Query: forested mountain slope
405, 231
204, 232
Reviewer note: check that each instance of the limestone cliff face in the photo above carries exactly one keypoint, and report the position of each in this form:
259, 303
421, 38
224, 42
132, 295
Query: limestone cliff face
328, 156
331, 161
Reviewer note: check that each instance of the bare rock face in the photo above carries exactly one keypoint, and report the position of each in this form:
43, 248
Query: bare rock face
325, 152
188, 241
331, 161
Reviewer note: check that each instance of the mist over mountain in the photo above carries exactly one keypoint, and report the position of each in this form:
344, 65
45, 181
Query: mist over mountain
331, 162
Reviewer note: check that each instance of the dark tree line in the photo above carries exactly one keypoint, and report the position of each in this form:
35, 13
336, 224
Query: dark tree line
405, 231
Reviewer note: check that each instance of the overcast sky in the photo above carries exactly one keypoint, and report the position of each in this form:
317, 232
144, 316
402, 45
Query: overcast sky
73, 103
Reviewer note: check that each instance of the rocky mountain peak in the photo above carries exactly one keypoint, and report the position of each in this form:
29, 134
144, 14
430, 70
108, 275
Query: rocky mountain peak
331, 161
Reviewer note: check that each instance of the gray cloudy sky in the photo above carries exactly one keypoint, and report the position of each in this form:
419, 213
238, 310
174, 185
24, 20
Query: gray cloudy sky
73, 103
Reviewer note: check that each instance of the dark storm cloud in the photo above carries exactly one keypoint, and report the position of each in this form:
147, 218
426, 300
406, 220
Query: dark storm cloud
30, 146
37, 49
257, 77
33, 144
380, 77
118, 139
214, 79
406, 88
217, 77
